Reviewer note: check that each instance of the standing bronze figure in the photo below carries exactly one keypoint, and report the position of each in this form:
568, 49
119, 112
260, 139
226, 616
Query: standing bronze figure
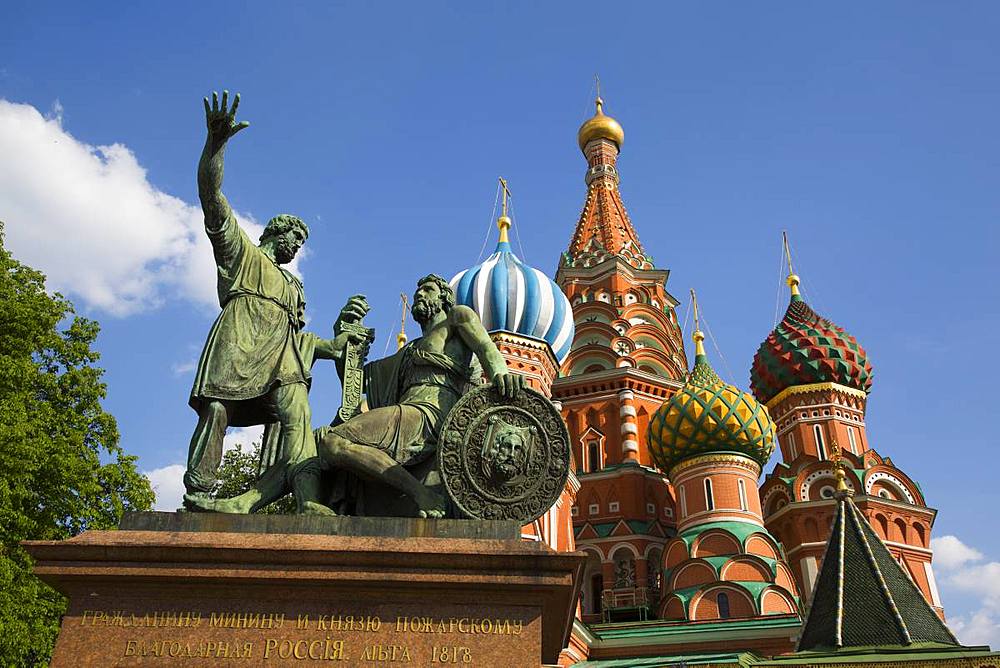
255, 367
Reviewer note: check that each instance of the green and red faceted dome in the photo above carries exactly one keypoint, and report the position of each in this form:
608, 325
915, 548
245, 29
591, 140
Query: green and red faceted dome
806, 349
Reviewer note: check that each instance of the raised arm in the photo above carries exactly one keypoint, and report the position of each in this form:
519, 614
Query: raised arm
471, 329
222, 125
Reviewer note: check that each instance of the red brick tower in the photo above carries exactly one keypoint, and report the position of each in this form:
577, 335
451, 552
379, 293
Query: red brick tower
626, 359
815, 378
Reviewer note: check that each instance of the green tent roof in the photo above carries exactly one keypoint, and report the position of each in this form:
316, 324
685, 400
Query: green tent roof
862, 595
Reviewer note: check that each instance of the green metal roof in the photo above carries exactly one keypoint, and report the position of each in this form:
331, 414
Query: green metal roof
924, 652
934, 653
862, 595
653, 630
741, 530
743, 659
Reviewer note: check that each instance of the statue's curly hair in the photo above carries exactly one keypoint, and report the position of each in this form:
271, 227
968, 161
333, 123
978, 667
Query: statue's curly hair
447, 294
281, 224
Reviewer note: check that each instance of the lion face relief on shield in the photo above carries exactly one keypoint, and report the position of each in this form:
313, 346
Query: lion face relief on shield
506, 451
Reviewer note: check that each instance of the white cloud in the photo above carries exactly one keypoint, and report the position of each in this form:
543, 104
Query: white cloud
950, 552
183, 368
963, 571
244, 436
981, 627
90, 219
168, 483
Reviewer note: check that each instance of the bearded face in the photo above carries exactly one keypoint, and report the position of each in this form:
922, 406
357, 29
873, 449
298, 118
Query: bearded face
426, 303
509, 454
287, 245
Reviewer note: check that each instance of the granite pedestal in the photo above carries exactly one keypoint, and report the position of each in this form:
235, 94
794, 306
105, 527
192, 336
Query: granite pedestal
181, 589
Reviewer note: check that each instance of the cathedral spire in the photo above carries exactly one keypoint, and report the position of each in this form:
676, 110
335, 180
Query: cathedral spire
604, 229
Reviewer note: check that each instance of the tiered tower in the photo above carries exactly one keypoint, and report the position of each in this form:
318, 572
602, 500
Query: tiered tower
626, 358
713, 440
815, 378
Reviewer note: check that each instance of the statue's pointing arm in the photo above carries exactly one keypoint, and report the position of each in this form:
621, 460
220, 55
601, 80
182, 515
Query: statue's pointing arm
220, 224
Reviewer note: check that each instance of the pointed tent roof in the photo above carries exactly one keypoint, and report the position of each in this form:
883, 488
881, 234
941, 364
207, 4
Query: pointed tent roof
862, 595
604, 229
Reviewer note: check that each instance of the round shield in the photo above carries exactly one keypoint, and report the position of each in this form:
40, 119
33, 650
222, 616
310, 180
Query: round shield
504, 459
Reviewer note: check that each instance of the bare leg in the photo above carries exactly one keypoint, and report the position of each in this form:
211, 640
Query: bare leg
298, 446
337, 452
205, 451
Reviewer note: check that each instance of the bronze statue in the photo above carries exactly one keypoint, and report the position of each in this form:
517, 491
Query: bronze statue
255, 367
409, 396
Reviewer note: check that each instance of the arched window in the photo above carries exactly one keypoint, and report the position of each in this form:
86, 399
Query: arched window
723, 601
684, 502
791, 445
851, 440
593, 456
820, 447
709, 499
743, 494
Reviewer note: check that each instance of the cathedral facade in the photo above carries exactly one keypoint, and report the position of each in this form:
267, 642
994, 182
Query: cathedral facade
697, 555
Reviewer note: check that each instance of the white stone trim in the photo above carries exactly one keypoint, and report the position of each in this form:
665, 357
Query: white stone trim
929, 572
813, 477
893, 480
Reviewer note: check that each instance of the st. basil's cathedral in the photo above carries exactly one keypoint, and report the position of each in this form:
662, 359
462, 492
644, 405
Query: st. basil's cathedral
694, 558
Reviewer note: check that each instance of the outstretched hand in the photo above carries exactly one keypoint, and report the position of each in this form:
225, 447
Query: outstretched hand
222, 121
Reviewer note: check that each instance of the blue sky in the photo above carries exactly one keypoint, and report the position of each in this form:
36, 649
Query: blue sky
867, 130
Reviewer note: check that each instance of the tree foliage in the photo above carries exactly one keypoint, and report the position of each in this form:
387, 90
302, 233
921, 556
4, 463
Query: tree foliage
239, 470
62, 469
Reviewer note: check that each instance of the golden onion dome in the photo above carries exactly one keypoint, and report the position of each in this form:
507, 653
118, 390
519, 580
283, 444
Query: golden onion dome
600, 127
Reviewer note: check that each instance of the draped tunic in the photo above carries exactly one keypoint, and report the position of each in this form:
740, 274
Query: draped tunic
256, 342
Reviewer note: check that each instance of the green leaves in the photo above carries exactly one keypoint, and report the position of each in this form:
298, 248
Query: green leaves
61, 468
238, 472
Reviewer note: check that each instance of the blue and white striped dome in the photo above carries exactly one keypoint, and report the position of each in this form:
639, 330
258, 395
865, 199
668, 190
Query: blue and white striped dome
509, 295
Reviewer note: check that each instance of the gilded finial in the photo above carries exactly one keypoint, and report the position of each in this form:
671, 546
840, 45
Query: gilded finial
793, 279
401, 337
838, 469
697, 335
600, 126
503, 222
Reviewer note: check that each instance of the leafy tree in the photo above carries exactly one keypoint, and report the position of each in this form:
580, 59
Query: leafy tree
61, 468
239, 470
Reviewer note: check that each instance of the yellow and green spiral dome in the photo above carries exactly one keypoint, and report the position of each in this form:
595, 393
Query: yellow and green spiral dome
708, 415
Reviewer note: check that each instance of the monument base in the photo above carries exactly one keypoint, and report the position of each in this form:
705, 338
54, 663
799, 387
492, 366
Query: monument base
183, 589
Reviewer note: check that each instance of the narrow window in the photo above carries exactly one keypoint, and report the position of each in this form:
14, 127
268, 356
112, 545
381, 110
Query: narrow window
743, 494
709, 501
851, 440
593, 456
683, 500
820, 448
791, 445
723, 600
